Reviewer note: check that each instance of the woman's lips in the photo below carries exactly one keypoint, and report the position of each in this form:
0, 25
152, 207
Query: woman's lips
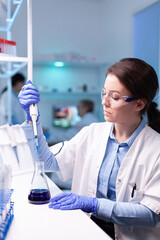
106, 112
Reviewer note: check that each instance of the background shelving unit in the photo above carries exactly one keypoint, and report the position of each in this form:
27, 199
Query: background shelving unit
16, 64
9, 65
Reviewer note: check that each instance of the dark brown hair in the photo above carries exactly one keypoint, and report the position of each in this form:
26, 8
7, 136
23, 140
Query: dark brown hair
18, 77
141, 80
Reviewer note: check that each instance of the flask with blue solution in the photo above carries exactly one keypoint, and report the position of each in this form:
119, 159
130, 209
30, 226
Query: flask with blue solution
39, 193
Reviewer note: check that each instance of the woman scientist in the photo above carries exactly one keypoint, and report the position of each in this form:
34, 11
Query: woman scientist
115, 165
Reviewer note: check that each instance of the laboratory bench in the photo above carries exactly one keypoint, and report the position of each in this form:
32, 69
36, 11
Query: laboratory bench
33, 221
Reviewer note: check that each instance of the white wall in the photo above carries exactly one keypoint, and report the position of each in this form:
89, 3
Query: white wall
99, 28
118, 27
64, 26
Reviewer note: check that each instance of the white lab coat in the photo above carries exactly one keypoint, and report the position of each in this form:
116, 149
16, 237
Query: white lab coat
82, 156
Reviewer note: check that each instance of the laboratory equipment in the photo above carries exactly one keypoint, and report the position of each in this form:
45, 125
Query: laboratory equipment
7, 47
39, 193
6, 215
5, 182
65, 116
34, 114
6, 205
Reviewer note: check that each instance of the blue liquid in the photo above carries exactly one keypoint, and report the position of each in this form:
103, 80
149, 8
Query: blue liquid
37, 147
39, 196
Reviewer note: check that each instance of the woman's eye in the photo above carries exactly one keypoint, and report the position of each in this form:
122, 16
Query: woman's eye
116, 97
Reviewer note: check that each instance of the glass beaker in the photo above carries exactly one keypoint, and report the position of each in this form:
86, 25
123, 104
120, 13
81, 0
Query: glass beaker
39, 192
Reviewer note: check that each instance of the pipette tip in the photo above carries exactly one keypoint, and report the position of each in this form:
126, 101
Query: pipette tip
37, 147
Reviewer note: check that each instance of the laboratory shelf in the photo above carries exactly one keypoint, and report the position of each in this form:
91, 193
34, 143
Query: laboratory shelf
10, 64
8, 58
16, 64
15, 68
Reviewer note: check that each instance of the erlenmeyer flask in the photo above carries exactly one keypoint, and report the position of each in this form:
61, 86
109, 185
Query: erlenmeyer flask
39, 192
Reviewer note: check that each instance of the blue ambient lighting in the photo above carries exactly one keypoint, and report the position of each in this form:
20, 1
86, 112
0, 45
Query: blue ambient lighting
59, 64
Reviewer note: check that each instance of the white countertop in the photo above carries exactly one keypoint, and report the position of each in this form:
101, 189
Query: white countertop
37, 222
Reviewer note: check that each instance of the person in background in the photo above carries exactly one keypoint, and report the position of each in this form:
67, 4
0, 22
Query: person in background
17, 115
115, 165
85, 111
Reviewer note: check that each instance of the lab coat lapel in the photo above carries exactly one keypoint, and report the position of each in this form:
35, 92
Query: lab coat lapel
127, 168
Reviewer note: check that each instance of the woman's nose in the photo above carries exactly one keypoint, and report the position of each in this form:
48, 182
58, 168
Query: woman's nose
105, 100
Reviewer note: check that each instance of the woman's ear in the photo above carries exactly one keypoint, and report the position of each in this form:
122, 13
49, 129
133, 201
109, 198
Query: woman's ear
140, 104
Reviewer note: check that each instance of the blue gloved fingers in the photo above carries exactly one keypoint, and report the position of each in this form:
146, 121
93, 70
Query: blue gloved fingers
56, 201
63, 201
71, 204
59, 196
66, 200
29, 89
69, 207
53, 206
25, 93
27, 103
70, 201
28, 95
64, 204
29, 81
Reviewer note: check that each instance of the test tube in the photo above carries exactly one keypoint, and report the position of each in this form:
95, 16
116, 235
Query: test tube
7, 47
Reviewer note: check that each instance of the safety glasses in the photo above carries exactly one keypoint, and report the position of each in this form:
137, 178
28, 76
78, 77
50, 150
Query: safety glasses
115, 98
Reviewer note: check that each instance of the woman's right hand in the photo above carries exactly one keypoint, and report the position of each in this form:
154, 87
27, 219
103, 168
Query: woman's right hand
27, 96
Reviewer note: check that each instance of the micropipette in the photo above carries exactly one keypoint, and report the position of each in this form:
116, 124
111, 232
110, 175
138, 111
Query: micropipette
34, 114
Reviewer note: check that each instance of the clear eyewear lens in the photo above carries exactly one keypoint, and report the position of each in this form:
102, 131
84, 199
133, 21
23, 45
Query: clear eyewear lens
115, 98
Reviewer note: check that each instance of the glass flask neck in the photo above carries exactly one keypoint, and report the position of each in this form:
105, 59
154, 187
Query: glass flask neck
39, 166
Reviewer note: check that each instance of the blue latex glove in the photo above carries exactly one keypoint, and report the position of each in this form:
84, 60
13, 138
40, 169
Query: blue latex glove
70, 201
27, 96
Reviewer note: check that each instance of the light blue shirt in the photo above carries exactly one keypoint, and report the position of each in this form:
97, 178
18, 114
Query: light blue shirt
113, 158
108, 209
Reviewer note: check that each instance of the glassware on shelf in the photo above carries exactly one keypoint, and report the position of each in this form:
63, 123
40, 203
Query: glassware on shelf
7, 47
39, 191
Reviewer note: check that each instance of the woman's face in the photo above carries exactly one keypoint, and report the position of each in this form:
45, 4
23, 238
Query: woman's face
115, 108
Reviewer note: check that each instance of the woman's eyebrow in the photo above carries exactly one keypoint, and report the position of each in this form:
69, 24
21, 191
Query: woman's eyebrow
111, 90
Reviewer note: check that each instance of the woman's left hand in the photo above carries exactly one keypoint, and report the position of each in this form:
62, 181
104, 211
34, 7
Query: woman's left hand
70, 201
